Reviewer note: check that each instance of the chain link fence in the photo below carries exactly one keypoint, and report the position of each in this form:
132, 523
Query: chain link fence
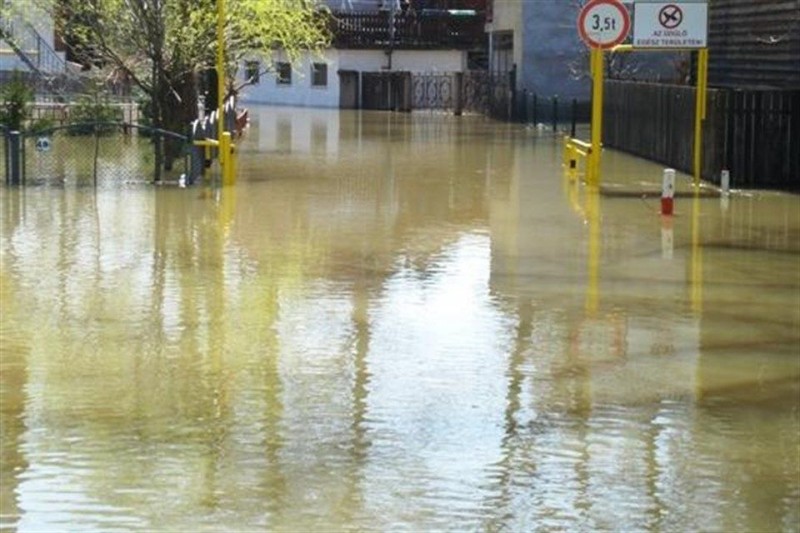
4, 151
96, 153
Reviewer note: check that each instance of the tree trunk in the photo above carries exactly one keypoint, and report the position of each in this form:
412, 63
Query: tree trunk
179, 109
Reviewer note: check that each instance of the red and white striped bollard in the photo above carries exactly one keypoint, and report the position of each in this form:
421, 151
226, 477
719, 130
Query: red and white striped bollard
668, 191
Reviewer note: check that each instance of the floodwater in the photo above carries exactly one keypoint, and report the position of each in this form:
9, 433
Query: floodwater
405, 323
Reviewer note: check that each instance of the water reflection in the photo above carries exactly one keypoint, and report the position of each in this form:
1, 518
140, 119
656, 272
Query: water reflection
398, 321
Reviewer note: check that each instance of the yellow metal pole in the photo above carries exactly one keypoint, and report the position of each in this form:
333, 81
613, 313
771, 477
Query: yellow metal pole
593, 170
700, 112
221, 87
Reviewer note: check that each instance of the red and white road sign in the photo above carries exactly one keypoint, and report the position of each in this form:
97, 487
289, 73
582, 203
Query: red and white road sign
604, 23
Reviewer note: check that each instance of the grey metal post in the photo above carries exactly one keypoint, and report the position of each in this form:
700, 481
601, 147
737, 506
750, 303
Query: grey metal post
196, 153
459, 93
555, 113
15, 157
574, 117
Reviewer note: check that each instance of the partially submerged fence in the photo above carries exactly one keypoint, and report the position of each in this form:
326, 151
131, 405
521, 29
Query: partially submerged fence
207, 128
755, 134
473, 91
95, 153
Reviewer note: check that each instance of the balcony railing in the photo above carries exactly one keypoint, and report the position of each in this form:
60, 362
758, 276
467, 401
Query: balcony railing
31, 48
428, 29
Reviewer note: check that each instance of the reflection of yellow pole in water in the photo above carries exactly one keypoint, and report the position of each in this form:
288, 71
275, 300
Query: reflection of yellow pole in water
697, 257
593, 217
217, 348
227, 208
572, 192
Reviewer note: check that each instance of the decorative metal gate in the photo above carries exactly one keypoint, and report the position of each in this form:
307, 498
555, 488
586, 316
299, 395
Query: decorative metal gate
433, 91
474, 91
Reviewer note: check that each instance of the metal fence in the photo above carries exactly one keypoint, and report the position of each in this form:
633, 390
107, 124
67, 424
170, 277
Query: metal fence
4, 140
433, 91
95, 153
424, 29
472, 91
755, 134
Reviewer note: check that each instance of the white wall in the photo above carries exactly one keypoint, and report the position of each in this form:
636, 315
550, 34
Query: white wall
9, 60
403, 60
505, 16
301, 93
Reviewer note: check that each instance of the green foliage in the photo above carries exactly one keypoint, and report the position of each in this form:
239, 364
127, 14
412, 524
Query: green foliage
90, 110
15, 97
164, 44
41, 125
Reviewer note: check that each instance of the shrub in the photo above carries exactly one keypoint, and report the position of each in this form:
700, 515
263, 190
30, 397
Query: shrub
88, 111
41, 125
14, 99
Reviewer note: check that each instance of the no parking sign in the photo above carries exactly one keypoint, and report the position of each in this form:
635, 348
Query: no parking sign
677, 24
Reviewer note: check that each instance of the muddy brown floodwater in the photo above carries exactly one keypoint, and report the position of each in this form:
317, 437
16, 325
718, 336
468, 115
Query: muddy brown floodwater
399, 323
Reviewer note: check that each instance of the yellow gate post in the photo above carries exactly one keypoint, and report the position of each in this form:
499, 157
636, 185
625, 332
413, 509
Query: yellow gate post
700, 112
226, 146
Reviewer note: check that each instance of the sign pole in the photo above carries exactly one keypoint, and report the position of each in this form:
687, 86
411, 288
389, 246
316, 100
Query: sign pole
700, 112
597, 69
601, 24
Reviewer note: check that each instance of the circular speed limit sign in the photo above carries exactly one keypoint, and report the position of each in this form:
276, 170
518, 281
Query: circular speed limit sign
603, 23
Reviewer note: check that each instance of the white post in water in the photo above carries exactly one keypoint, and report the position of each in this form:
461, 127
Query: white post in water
667, 191
725, 182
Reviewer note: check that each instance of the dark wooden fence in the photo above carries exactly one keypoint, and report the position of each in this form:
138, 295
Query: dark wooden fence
411, 30
755, 134
754, 43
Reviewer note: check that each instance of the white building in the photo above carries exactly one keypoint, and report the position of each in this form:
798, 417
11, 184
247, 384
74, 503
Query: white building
334, 78
358, 71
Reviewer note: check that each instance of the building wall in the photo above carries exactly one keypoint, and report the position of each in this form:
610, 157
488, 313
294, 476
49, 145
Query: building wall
550, 58
506, 19
555, 59
301, 93
547, 51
